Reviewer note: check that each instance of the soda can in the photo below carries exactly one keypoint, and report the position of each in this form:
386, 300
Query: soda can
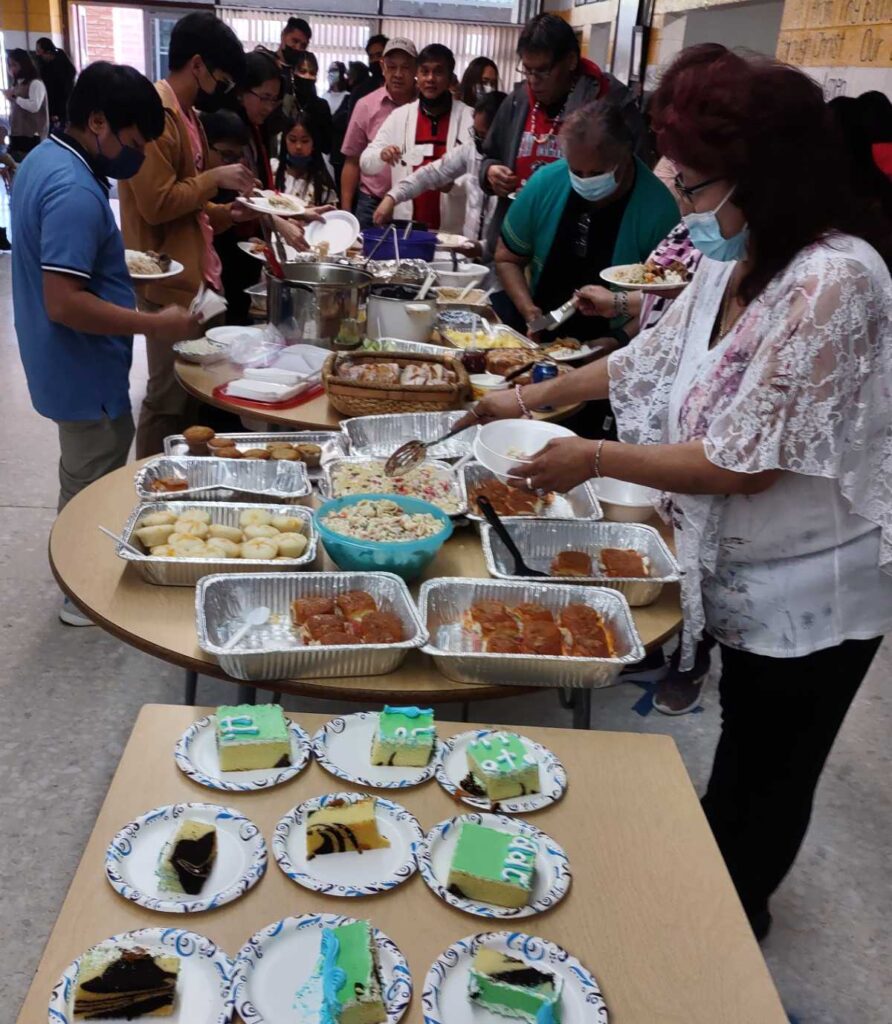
544, 371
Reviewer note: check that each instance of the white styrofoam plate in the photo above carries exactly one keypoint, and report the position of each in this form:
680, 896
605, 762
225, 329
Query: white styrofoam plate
352, 873
227, 335
201, 987
338, 227
610, 276
196, 755
132, 857
551, 880
251, 249
452, 769
279, 960
445, 996
175, 268
343, 747
260, 203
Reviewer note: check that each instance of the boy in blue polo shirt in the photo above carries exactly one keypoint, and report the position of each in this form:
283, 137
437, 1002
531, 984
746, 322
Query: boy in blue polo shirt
73, 300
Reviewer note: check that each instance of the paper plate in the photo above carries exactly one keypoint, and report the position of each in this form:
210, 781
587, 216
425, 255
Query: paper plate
196, 755
343, 747
227, 335
201, 988
575, 357
175, 268
609, 275
249, 248
132, 857
445, 996
448, 241
338, 227
352, 873
452, 769
550, 882
280, 958
292, 206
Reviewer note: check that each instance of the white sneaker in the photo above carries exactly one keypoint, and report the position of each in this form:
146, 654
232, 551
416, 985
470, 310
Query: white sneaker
71, 615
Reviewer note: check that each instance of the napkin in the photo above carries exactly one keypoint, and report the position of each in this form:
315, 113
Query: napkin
207, 304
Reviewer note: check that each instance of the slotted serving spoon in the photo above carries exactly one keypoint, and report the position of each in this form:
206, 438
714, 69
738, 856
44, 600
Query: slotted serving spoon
410, 454
492, 517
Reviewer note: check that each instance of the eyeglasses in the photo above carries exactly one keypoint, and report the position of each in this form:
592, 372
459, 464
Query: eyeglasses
536, 75
687, 192
270, 101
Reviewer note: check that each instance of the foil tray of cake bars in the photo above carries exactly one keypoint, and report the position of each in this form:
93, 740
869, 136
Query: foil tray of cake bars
176, 477
608, 636
542, 541
280, 649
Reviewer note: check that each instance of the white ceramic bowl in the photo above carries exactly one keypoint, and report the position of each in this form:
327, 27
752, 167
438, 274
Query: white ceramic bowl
483, 383
495, 440
466, 272
623, 502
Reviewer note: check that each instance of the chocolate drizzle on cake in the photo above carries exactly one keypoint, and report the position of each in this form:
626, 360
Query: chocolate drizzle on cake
456, 891
192, 860
131, 986
527, 976
471, 786
332, 839
283, 762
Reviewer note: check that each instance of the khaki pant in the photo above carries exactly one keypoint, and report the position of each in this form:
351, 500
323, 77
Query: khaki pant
88, 450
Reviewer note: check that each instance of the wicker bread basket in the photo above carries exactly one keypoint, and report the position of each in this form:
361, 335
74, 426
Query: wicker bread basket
354, 398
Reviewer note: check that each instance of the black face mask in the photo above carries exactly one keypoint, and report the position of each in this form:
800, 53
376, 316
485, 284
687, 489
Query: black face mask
211, 102
290, 55
304, 90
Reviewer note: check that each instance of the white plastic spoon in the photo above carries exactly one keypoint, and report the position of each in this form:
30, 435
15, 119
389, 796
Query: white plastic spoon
122, 542
255, 617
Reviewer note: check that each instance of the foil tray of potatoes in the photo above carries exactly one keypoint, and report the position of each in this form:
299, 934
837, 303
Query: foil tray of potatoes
275, 651
541, 540
231, 479
185, 569
442, 603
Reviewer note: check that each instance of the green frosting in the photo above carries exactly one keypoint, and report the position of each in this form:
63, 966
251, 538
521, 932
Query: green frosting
409, 726
500, 754
354, 959
493, 855
536, 1004
251, 723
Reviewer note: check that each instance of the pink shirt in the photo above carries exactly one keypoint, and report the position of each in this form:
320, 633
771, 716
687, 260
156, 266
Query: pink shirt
212, 267
368, 115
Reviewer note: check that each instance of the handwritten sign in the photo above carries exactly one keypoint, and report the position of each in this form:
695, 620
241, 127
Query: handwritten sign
836, 33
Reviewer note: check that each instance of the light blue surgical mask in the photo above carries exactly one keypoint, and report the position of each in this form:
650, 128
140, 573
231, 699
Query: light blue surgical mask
599, 186
706, 235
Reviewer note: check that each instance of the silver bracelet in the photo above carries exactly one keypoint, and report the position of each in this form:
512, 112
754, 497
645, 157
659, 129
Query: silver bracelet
600, 445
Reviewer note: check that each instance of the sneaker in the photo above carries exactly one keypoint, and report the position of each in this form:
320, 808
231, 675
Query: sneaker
650, 669
679, 692
71, 615
4, 241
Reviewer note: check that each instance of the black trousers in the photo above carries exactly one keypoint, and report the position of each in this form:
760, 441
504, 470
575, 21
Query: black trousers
780, 717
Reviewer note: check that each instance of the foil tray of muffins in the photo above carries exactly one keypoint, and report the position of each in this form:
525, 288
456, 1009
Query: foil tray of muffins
180, 477
512, 502
627, 557
433, 481
527, 634
184, 541
311, 633
312, 446
380, 436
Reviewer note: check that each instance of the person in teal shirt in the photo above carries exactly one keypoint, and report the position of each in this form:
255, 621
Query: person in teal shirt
598, 207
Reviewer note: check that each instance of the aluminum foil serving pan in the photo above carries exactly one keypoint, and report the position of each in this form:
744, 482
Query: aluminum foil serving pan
443, 601
232, 479
275, 651
456, 480
580, 503
332, 443
540, 540
186, 572
380, 436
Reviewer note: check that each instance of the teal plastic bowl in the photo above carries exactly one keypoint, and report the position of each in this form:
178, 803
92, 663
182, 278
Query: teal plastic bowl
407, 559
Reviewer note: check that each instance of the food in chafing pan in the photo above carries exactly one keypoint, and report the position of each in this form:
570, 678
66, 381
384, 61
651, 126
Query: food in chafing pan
351, 618
192, 534
426, 482
508, 500
530, 628
615, 563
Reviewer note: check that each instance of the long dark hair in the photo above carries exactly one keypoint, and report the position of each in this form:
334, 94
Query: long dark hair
472, 77
763, 126
27, 67
860, 133
317, 172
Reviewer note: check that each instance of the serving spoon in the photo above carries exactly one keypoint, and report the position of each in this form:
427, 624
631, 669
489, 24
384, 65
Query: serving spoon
492, 517
255, 617
410, 454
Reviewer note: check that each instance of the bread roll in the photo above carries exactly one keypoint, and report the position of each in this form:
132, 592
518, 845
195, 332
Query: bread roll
288, 524
191, 528
254, 517
253, 532
260, 547
158, 519
194, 515
165, 551
223, 547
291, 545
229, 532
152, 536
191, 547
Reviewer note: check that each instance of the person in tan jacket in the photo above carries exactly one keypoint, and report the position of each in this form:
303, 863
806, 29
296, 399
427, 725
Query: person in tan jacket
167, 206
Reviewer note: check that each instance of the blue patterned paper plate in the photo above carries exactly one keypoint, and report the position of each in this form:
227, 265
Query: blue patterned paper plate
343, 746
452, 768
202, 986
551, 881
280, 958
351, 873
196, 756
132, 857
445, 997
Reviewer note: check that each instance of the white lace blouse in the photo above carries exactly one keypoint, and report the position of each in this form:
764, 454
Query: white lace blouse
802, 383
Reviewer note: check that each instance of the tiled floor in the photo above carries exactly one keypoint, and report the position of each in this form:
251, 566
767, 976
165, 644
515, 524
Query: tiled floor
70, 697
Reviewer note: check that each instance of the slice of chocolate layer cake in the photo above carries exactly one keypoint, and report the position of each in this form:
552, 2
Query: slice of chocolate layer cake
341, 827
187, 858
125, 982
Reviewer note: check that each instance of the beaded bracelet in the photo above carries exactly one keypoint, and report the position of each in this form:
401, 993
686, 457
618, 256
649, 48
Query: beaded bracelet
600, 445
527, 415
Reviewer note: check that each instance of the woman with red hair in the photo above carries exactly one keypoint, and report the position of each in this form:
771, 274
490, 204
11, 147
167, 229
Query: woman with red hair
759, 406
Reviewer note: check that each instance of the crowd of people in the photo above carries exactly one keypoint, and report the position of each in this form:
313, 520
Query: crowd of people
755, 399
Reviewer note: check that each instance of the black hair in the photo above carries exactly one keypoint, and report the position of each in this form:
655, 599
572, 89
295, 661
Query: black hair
379, 38
225, 124
547, 33
317, 173
859, 131
876, 115
260, 67
472, 77
489, 104
298, 25
203, 33
359, 72
306, 57
122, 94
27, 68
341, 68
45, 43
437, 51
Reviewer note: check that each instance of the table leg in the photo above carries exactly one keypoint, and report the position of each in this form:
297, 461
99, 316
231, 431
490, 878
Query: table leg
567, 699
465, 710
276, 697
582, 709
191, 687
247, 694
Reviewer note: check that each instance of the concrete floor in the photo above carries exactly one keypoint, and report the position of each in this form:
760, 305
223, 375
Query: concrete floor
73, 694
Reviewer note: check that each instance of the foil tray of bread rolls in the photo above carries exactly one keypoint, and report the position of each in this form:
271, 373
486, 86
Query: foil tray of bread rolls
332, 443
380, 436
445, 601
541, 541
277, 651
238, 479
185, 571
580, 503
457, 496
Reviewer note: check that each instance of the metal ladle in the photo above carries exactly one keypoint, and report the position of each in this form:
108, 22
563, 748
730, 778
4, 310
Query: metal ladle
410, 454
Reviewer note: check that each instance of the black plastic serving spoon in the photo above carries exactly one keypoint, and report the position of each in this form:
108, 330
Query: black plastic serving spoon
492, 517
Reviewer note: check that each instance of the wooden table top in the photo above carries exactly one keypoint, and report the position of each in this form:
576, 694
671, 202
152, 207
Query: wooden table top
651, 911
161, 620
